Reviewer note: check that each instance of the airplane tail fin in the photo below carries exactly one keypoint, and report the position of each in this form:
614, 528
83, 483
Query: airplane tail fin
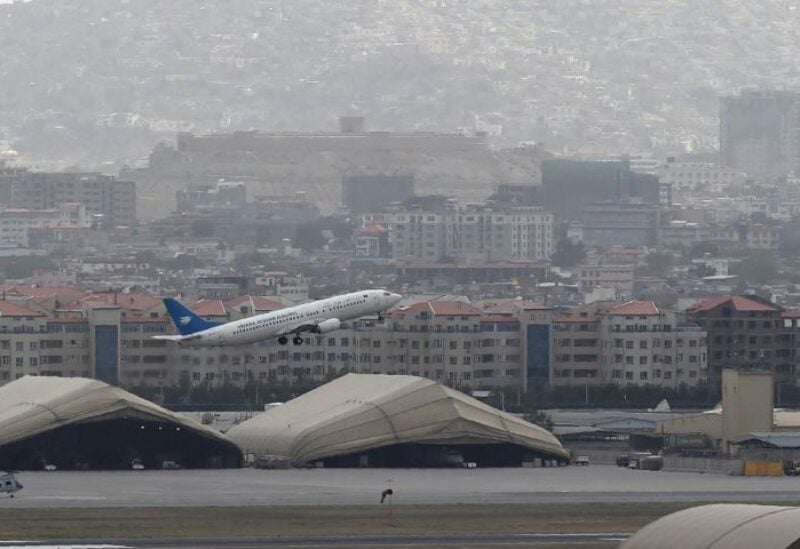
185, 320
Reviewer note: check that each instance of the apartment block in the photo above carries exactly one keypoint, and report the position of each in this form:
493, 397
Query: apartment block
16, 223
439, 230
745, 332
108, 336
626, 343
112, 200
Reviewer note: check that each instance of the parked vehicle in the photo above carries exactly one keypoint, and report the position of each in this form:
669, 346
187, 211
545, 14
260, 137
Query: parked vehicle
791, 468
623, 460
582, 460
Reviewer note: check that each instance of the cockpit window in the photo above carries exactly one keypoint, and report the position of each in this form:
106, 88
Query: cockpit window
387, 294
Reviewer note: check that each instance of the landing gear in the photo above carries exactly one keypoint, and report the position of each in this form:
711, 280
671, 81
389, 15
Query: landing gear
297, 340
283, 340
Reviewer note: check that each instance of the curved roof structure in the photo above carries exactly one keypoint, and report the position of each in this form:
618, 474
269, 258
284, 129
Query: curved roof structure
362, 412
34, 405
722, 526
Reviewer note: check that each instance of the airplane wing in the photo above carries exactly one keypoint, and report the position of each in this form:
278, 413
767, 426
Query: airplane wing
176, 338
318, 326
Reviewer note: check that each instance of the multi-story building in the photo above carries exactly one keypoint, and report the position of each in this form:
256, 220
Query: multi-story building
16, 223
760, 133
571, 185
626, 343
112, 201
109, 336
745, 332
440, 231
282, 285
689, 179
618, 278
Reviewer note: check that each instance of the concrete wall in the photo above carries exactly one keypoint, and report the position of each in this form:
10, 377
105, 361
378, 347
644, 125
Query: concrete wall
704, 465
747, 402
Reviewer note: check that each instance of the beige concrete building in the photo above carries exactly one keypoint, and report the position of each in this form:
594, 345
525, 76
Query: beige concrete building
747, 407
633, 343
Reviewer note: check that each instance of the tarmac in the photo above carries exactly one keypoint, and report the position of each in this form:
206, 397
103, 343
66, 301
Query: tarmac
323, 487
425, 541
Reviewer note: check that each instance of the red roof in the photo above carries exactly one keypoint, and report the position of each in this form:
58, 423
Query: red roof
132, 301
209, 307
371, 229
40, 292
9, 308
791, 314
741, 303
515, 305
452, 308
634, 308
439, 308
256, 302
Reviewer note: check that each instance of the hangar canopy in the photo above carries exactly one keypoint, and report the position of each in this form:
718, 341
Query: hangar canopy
84, 423
722, 526
362, 413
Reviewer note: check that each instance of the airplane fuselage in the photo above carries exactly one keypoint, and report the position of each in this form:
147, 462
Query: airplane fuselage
318, 317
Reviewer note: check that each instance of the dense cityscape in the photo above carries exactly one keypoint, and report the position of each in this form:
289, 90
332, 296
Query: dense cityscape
400, 234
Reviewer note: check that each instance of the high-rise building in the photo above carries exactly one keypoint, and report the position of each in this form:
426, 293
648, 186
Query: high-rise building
760, 133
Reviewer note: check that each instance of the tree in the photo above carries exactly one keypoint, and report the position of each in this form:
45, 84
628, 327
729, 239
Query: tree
24, 267
568, 253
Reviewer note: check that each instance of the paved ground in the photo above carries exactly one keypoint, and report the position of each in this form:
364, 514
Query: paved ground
596, 483
432, 540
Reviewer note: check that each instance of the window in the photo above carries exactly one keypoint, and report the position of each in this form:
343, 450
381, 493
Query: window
642, 360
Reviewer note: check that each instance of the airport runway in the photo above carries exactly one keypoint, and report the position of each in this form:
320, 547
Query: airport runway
435, 540
244, 487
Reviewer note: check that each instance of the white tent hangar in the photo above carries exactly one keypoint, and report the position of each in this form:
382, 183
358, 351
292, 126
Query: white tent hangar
722, 526
78, 422
393, 420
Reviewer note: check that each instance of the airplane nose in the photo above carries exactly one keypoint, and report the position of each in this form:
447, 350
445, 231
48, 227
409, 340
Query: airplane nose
396, 297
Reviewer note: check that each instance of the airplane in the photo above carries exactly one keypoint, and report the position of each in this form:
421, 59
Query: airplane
316, 317
9, 483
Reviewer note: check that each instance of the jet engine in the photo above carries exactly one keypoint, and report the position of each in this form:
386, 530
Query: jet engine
328, 325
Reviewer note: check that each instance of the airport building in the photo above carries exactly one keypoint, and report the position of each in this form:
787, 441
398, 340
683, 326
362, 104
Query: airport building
393, 421
86, 424
722, 526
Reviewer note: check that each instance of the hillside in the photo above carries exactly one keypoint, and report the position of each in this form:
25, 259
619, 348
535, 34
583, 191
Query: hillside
100, 81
